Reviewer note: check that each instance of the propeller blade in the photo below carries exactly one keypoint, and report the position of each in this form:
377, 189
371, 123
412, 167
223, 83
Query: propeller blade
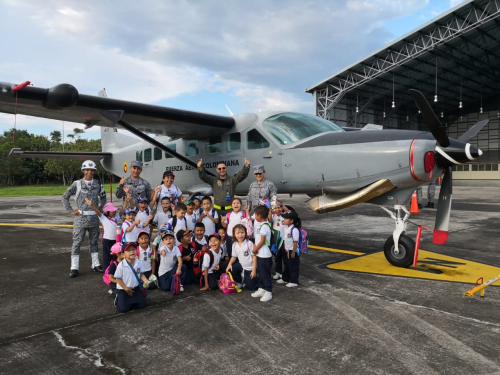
443, 210
472, 132
430, 118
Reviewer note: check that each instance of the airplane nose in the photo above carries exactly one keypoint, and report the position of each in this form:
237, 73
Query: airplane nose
457, 153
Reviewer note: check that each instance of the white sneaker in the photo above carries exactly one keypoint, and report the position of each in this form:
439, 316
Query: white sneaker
291, 285
182, 288
267, 297
280, 281
259, 293
277, 276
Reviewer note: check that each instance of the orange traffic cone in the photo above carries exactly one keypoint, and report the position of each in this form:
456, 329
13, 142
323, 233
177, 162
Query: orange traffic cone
414, 204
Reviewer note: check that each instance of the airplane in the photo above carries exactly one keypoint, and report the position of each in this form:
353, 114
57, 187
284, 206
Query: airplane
302, 154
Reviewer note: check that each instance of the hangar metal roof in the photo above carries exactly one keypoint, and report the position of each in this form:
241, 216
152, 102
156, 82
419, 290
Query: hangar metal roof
460, 47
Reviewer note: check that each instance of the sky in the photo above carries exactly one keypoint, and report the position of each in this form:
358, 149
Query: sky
194, 55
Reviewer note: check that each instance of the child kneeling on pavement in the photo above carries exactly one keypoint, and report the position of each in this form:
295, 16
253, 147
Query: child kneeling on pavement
128, 275
243, 260
170, 255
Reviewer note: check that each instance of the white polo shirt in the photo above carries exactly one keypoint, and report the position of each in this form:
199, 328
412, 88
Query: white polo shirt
110, 225
291, 236
191, 221
203, 241
161, 217
234, 219
132, 235
168, 261
145, 257
263, 230
180, 224
244, 254
206, 260
125, 274
209, 224
143, 217
279, 224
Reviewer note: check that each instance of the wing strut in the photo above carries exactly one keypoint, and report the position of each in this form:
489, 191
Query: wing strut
116, 117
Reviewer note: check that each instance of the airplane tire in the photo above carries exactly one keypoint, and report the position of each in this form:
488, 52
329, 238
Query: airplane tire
404, 257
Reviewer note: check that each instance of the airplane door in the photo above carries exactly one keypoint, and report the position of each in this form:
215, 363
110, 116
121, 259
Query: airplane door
261, 149
147, 164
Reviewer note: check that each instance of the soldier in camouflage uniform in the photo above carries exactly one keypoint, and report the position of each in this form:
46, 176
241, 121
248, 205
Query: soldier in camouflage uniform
431, 191
139, 187
85, 217
261, 189
223, 187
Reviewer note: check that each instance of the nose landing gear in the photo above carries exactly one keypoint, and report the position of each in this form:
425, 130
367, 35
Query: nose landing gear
399, 248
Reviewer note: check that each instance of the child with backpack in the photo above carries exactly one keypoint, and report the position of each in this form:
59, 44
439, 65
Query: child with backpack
263, 253
208, 216
233, 217
178, 221
211, 263
147, 256
243, 260
225, 249
116, 257
143, 214
190, 215
279, 225
164, 213
291, 243
188, 251
170, 256
129, 229
200, 240
130, 293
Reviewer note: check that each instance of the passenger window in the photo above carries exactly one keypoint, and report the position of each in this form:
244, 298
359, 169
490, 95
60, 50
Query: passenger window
147, 155
255, 140
157, 154
214, 145
192, 147
138, 155
234, 142
173, 148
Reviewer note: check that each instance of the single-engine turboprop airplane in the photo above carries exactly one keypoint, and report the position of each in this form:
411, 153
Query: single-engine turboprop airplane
302, 153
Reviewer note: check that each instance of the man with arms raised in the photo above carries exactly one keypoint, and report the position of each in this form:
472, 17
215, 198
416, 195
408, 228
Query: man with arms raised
139, 187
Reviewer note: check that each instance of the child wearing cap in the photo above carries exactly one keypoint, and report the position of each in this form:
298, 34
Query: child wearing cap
243, 260
170, 255
264, 255
190, 215
109, 220
116, 257
200, 240
143, 214
164, 212
292, 261
129, 226
146, 255
197, 204
208, 216
188, 250
178, 222
208, 269
128, 274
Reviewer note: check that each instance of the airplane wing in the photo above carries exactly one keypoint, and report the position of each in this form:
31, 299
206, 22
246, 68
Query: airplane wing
63, 102
61, 155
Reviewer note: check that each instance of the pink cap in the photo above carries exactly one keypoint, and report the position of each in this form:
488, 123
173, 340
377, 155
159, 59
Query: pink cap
116, 248
110, 207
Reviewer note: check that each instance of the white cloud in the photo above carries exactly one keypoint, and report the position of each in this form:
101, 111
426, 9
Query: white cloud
454, 3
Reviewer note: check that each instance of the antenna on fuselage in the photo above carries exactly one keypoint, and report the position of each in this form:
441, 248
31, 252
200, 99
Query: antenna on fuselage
231, 113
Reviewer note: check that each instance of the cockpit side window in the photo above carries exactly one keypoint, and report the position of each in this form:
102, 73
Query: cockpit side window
234, 142
288, 128
214, 145
191, 147
255, 140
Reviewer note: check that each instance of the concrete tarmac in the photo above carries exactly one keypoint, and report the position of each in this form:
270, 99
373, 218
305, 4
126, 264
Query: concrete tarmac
334, 322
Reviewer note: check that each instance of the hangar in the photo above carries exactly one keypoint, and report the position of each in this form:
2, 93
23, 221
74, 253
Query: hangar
454, 60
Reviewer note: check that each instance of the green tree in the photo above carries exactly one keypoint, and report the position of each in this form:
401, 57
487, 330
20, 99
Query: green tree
78, 132
56, 136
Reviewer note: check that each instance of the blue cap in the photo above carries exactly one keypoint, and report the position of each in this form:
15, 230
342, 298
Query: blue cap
142, 199
129, 211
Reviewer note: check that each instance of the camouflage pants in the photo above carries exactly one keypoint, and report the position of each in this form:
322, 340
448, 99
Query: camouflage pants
79, 235
431, 191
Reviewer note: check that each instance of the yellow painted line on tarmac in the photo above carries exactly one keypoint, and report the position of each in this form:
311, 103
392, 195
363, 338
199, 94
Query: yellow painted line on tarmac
431, 266
336, 250
39, 225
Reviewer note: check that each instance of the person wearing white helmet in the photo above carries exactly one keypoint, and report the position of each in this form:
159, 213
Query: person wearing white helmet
85, 219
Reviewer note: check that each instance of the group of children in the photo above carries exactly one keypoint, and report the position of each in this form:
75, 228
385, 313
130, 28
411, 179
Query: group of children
194, 245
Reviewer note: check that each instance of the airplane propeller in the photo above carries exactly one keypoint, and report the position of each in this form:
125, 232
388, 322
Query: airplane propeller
457, 151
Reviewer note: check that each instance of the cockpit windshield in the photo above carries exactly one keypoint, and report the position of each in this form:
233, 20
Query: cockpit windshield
288, 128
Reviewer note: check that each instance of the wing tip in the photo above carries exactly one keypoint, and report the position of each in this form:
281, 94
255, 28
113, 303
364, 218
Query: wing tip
440, 237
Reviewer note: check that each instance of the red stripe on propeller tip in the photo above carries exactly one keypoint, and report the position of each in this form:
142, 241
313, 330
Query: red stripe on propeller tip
21, 86
440, 237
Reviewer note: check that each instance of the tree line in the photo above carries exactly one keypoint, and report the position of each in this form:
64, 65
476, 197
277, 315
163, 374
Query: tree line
20, 171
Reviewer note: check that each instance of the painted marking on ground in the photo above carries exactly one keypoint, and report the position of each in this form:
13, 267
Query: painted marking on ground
430, 266
336, 250
41, 225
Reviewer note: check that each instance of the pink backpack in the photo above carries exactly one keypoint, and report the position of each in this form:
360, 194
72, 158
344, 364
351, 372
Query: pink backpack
227, 284
247, 223
105, 278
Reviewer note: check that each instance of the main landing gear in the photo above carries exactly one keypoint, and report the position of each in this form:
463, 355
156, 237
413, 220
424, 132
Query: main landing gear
399, 249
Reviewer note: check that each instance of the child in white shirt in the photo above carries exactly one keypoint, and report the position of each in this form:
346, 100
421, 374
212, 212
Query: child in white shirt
234, 217
178, 222
128, 274
210, 266
129, 226
243, 260
143, 214
200, 240
209, 216
264, 256
292, 236
278, 224
190, 215
164, 213
147, 256
170, 256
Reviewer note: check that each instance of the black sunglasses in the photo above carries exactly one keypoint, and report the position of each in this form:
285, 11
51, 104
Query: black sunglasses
221, 169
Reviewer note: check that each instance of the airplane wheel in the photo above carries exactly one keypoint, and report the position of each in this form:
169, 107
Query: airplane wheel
403, 257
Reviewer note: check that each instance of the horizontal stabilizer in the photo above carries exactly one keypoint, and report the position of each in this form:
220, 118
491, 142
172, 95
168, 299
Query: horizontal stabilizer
63, 155
335, 202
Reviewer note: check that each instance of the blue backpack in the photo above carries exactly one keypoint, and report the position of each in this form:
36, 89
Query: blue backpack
276, 240
303, 244
175, 285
